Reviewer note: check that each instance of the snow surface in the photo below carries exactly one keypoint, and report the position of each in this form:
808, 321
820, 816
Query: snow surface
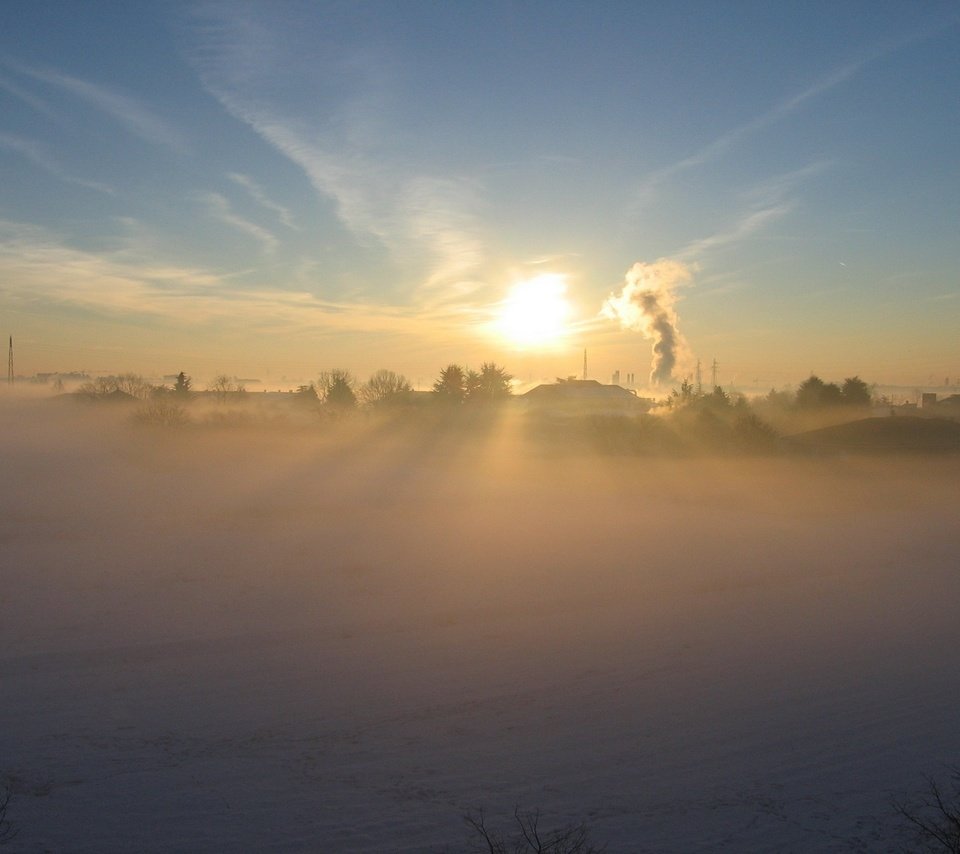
278, 640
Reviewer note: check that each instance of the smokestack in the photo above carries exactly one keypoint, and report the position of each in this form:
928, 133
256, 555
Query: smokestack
646, 303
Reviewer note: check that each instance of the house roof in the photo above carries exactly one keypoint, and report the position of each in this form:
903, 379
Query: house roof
579, 390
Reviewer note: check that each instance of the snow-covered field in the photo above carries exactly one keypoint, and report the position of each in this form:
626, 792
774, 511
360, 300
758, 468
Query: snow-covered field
274, 640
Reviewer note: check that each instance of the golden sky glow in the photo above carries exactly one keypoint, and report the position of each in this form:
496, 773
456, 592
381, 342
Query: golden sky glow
417, 191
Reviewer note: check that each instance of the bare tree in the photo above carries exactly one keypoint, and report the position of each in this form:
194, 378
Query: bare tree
336, 389
124, 385
529, 838
385, 388
935, 816
7, 830
223, 387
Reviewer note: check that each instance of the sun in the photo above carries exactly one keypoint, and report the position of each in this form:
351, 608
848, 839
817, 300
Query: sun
535, 312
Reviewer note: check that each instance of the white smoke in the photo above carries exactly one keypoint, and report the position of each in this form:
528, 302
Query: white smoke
646, 304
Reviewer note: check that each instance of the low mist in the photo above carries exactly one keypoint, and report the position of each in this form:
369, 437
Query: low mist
245, 636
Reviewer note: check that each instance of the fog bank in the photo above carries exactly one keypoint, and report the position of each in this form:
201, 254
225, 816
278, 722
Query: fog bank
341, 640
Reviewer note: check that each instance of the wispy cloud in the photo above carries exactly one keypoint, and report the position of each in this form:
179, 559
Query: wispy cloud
765, 202
38, 267
435, 215
748, 225
258, 194
28, 98
378, 193
776, 188
125, 110
219, 208
725, 142
38, 154
787, 106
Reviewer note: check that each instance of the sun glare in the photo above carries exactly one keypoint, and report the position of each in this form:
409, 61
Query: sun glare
535, 312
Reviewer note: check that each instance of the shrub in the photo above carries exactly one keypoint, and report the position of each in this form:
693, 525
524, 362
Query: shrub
7, 830
161, 412
935, 816
529, 838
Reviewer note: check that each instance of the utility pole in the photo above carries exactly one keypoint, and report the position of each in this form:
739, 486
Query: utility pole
10, 374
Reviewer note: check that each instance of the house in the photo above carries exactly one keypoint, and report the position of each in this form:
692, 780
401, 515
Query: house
583, 397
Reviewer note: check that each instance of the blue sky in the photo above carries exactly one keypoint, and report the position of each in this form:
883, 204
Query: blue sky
275, 189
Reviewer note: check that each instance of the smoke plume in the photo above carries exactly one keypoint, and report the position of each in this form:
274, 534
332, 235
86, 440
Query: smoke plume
646, 303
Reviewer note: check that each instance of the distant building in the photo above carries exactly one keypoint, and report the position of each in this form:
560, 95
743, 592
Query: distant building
584, 397
949, 407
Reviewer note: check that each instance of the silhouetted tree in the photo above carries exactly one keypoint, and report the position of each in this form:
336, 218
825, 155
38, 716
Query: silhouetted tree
336, 389
307, 395
493, 383
472, 384
779, 399
134, 385
122, 385
451, 386
718, 398
814, 393
385, 388
855, 392
751, 434
681, 396
223, 387
810, 392
935, 817
832, 396
182, 385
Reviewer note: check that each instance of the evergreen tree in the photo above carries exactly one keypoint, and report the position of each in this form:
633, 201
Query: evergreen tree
494, 382
451, 385
855, 392
182, 385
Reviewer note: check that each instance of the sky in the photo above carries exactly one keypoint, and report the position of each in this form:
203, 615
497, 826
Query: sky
272, 190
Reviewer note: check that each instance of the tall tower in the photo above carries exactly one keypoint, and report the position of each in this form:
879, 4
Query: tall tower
584, 362
10, 362
715, 369
699, 380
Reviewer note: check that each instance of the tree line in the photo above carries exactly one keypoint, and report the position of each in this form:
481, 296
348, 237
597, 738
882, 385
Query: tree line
335, 389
